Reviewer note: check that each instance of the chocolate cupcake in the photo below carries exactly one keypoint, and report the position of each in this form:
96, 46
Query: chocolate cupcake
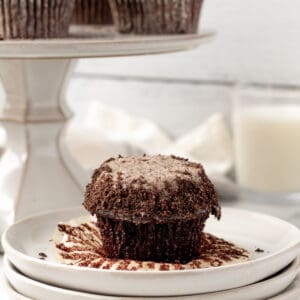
92, 12
29, 19
156, 16
151, 208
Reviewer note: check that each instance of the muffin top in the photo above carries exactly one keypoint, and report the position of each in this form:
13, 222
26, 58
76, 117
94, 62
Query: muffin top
151, 188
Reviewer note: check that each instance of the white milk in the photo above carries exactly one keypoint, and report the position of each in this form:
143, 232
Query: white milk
267, 147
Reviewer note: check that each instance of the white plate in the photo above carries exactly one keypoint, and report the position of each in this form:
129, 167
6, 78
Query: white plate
118, 45
261, 290
10, 292
280, 240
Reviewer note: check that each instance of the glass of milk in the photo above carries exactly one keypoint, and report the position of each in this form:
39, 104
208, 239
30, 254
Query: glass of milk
266, 126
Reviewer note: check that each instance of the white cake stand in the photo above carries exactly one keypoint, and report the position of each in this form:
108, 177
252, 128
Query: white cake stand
36, 171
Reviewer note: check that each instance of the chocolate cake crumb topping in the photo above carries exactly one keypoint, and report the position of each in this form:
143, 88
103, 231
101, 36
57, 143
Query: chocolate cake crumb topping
147, 188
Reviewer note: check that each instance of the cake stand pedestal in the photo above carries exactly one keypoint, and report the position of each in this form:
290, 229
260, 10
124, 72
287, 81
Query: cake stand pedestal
36, 171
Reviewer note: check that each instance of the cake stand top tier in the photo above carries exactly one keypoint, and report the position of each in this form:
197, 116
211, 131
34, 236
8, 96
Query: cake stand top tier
89, 44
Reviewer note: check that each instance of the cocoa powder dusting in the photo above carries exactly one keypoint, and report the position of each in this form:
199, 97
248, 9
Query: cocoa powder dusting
84, 249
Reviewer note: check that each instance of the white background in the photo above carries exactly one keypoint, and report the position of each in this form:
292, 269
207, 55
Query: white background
257, 40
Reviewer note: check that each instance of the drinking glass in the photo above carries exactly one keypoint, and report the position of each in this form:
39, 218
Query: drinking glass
266, 127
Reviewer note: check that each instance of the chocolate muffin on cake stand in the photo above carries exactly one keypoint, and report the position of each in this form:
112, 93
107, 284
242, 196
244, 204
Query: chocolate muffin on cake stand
36, 171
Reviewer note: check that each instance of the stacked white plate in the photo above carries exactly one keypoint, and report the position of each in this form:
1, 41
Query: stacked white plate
266, 274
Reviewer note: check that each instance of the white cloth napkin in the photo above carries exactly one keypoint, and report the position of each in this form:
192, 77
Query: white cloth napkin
104, 132
209, 143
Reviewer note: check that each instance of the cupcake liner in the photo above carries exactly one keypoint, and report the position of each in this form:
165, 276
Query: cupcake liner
27, 19
156, 16
39, 16
175, 241
92, 12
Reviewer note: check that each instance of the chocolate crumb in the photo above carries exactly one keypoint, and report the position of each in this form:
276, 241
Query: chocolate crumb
259, 250
43, 255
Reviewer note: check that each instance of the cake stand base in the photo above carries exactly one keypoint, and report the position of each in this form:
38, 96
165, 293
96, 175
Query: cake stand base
34, 174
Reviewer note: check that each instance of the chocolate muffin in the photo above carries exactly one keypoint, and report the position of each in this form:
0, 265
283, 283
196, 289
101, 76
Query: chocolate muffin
156, 16
28, 19
92, 12
152, 207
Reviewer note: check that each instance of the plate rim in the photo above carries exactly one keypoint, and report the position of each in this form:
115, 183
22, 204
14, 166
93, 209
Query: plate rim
9, 289
294, 266
117, 39
9, 249
72, 48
